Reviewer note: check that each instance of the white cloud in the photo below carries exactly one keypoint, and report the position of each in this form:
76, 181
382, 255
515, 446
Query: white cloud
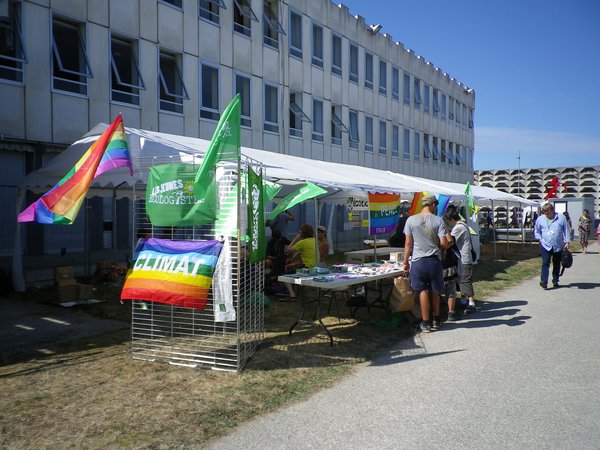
497, 147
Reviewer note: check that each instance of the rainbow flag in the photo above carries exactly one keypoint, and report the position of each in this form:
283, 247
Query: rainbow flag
383, 212
416, 206
174, 272
61, 204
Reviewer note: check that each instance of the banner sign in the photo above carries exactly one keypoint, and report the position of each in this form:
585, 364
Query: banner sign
256, 217
174, 272
170, 194
383, 212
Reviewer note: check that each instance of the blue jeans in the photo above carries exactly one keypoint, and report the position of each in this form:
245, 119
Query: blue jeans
547, 256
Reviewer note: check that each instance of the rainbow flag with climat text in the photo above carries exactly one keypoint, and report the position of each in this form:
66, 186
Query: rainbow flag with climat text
174, 272
383, 212
61, 204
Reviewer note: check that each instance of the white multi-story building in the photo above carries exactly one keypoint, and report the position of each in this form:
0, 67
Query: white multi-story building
315, 80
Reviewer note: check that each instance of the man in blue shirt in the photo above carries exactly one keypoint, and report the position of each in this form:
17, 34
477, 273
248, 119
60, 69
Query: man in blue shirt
552, 230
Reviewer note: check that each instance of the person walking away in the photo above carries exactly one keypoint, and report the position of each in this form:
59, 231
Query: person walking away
584, 227
426, 234
323, 243
568, 219
280, 223
552, 231
462, 237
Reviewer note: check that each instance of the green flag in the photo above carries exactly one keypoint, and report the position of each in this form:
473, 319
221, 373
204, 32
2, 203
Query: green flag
224, 146
170, 194
256, 217
306, 192
270, 190
470, 200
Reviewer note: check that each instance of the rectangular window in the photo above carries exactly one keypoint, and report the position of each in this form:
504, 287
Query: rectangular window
271, 26
70, 64
426, 148
368, 70
295, 29
336, 55
317, 120
209, 92
406, 147
242, 87
417, 154
395, 141
353, 134
450, 108
12, 54
464, 114
417, 89
243, 17
426, 98
317, 45
337, 126
458, 159
443, 106
176, 3
382, 77
436, 152
470, 118
353, 69
172, 90
210, 9
436, 103
382, 137
297, 115
450, 155
406, 89
271, 122
443, 153
126, 81
457, 112
395, 83
368, 134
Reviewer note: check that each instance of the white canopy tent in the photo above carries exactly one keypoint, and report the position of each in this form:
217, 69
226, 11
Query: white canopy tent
145, 145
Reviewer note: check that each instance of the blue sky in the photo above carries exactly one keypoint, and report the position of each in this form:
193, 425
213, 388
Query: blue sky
534, 65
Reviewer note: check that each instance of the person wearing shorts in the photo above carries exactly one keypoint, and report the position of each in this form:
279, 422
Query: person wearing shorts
426, 234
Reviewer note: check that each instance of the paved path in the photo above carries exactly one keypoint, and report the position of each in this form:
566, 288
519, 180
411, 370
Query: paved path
524, 372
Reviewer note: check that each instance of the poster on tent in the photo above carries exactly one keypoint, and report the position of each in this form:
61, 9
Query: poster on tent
174, 272
356, 208
383, 212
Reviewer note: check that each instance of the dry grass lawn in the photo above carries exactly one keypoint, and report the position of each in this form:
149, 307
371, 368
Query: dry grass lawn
92, 394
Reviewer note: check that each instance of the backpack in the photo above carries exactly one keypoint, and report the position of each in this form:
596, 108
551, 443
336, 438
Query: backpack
566, 259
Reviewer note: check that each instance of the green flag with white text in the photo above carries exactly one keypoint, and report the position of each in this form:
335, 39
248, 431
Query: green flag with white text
256, 217
224, 146
170, 194
306, 192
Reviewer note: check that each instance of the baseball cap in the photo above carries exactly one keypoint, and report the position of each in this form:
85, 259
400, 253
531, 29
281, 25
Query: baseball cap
429, 200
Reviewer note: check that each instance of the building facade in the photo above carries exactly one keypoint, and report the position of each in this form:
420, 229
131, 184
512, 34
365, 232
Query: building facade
315, 80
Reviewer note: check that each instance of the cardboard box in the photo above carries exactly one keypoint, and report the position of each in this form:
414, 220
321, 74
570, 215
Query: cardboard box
63, 276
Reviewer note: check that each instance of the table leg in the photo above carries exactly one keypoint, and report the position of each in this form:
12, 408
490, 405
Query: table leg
300, 318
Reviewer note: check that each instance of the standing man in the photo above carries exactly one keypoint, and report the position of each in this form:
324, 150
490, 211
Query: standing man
552, 230
425, 234
281, 223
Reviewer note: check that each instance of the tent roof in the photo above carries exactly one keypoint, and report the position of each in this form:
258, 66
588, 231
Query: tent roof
150, 148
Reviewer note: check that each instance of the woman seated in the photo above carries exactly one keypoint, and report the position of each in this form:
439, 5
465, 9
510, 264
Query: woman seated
323, 243
275, 260
301, 253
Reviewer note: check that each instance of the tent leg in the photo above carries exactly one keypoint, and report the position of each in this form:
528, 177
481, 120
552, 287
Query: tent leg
494, 231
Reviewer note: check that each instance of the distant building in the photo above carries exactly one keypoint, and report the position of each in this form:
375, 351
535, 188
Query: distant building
533, 184
315, 81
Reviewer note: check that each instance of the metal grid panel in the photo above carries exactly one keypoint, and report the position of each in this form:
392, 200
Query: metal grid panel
192, 337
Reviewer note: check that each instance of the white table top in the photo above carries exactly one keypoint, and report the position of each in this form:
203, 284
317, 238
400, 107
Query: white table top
379, 250
336, 280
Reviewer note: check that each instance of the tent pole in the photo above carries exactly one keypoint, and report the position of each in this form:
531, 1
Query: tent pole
114, 226
316, 205
522, 226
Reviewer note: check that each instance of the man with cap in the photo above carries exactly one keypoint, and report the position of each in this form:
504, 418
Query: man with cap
426, 234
